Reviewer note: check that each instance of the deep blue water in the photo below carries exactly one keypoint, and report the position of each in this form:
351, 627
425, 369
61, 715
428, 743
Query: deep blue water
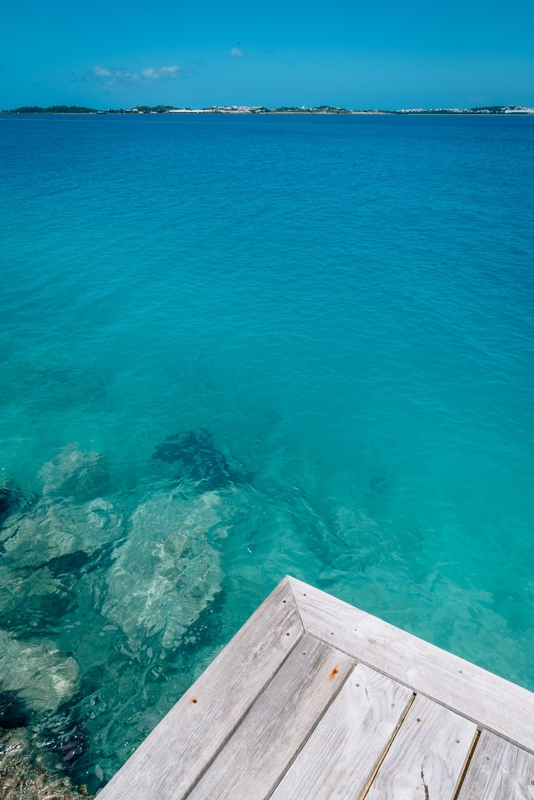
335, 317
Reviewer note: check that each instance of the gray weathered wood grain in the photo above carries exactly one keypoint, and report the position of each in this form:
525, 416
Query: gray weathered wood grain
189, 737
427, 755
277, 725
494, 703
498, 771
341, 753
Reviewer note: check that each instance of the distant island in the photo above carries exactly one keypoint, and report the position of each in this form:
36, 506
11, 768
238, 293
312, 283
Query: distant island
264, 110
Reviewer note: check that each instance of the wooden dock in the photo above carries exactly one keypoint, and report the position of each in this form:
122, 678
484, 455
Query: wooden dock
314, 699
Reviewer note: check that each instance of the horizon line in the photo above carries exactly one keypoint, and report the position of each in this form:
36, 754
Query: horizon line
246, 109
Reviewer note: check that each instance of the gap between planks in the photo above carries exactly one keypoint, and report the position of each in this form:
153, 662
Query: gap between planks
373, 774
467, 764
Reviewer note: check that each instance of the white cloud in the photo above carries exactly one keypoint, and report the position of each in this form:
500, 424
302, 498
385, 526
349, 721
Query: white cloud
235, 52
113, 78
170, 72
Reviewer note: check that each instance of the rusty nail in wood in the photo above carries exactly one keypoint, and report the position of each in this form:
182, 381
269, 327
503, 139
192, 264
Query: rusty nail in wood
334, 672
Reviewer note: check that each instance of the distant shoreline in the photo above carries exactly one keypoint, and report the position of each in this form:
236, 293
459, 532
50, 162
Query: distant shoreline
317, 111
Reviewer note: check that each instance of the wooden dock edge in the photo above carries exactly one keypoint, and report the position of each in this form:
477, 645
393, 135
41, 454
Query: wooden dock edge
494, 703
174, 759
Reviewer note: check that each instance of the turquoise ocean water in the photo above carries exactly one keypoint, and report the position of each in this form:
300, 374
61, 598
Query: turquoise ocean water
233, 348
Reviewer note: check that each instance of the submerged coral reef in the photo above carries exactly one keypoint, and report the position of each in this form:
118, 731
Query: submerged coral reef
75, 474
166, 570
197, 459
94, 590
39, 673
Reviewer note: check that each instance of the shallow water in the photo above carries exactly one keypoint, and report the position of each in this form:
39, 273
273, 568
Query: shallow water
333, 318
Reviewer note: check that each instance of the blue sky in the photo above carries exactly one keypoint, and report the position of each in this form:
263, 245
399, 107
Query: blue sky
381, 54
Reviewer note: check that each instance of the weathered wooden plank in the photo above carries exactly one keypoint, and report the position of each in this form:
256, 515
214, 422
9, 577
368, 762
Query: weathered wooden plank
426, 757
339, 757
277, 725
498, 771
185, 742
494, 703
